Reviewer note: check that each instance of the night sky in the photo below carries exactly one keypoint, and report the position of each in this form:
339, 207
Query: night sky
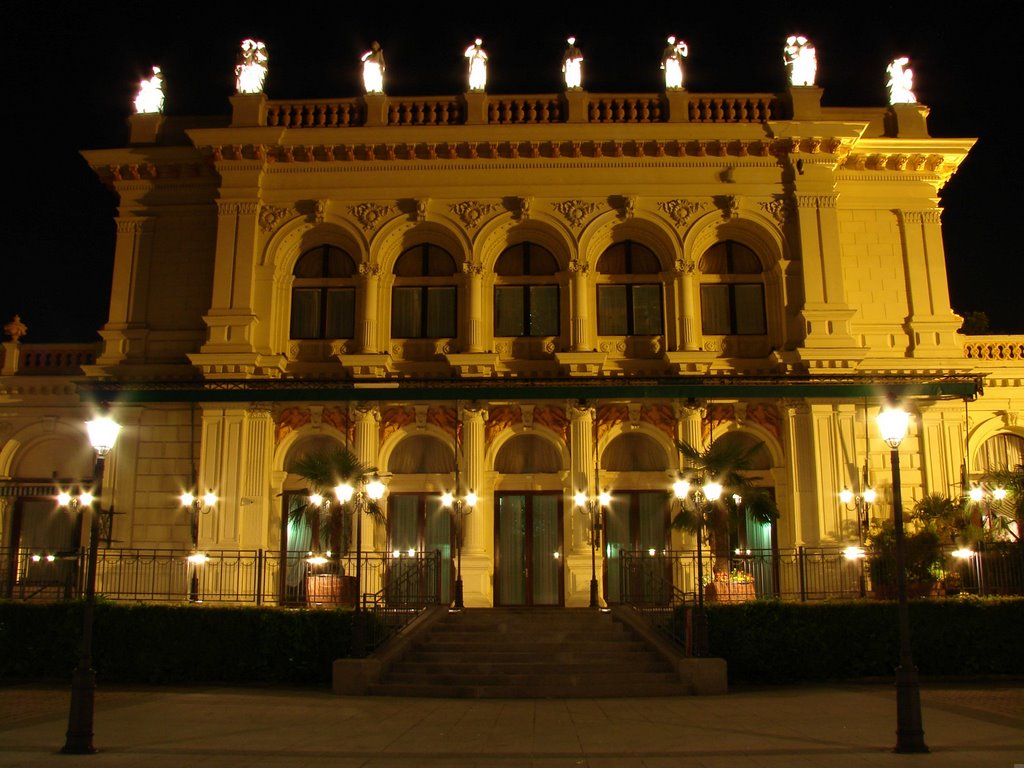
71, 76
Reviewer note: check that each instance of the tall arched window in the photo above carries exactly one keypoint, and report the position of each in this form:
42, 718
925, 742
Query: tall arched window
526, 296
732, 291
629, 291
423, 300
324, 294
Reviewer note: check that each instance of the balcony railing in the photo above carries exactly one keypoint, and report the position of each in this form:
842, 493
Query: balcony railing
994, 348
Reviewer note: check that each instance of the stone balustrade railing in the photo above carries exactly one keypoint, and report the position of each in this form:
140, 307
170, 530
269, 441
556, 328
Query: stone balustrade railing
46, 359
483, 108
1006, 348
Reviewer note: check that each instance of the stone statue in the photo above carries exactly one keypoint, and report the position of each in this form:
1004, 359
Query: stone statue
572, 65
373, 69
800, 57
150, 97
901, 82
16, 329
251, 72
477, 66
672, 62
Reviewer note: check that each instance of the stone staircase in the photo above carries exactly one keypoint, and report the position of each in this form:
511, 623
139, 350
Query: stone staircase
529, 653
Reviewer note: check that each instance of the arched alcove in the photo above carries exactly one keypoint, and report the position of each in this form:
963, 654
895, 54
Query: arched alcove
527, 455
59, 456
634, 452
421, 454
759, 458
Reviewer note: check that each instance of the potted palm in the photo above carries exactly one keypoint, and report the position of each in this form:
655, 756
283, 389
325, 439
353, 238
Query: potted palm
328, 472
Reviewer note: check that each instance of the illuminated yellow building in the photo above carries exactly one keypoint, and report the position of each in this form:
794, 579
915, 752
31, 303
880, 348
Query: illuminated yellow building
570, 283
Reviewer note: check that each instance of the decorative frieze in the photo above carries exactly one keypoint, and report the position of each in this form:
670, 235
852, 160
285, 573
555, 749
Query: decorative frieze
272, 216
780, 209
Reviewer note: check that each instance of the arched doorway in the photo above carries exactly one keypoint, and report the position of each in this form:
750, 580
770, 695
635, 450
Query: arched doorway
637, 519
528, 563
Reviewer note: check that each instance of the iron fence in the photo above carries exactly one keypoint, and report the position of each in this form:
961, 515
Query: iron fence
650, 579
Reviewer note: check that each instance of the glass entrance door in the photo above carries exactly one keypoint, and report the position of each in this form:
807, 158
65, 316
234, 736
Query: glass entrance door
420, 523
637, 522
528, 549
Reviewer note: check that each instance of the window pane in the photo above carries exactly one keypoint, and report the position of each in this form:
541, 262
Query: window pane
646, 310
439, 262
611, 310
406, 312
310, 264
441, 312
544, 310
341, 313
642, 260
508, 310
339, 263
305, 313
750, 309
714, 310
512, 261
404, 525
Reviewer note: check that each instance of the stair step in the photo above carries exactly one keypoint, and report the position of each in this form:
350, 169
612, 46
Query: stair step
509, 653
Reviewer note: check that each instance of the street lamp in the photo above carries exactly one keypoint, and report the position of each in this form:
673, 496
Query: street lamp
460, 508
706, 493
893, 424
102, 433
362, 497
592, 508
196, 506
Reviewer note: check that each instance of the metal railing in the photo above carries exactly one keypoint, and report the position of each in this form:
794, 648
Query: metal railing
256, 576
651, 581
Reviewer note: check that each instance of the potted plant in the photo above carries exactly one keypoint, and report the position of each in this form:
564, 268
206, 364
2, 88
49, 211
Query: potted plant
326, 516
923, 559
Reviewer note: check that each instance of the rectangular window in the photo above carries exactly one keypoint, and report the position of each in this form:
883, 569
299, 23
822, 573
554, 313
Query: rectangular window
441, 312
733, 309
646, 310
305, 313
407, 313
521, 310
612, 317
341, 313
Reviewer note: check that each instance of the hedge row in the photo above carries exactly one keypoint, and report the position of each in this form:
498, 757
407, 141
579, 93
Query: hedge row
173, 644
776, 642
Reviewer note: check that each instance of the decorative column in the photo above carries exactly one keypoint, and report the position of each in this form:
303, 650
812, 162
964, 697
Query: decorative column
367, 331
257, 456
581, 446
125, 332
933, 325
476, 565
799, 436
366, 446
221, 465
687, 280
583, 331
825, 313
474, 323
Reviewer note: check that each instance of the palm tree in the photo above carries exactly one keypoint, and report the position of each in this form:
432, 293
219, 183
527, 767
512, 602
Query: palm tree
1012, 507
324, 470
726, 462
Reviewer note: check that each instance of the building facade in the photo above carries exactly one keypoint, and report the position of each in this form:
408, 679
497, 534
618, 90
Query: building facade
539, 295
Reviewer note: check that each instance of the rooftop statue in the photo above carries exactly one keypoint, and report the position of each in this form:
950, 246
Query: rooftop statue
150, 96
477, 66
373, 69
572, 65
801, 59
251, 72
901, 82
672, 62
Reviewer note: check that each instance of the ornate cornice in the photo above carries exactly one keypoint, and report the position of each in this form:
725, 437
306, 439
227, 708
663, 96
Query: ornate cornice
930, 216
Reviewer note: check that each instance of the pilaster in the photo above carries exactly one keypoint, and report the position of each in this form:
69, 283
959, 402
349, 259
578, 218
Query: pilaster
124, 335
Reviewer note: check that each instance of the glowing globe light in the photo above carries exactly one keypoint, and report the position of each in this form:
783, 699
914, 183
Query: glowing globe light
681, 488
447, 499
375, 489
580, 499
315, 499
63, 498
344, 492
870, 496
976, 494
472, 499
604, 498
893, 423
712, 491
103, 431
209, 498
846, 496
187, 499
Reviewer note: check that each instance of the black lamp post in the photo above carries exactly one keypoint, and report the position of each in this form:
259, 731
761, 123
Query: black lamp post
893, 424
592, 508
367, 493
78, 740
461, 508
195, 505
706, 493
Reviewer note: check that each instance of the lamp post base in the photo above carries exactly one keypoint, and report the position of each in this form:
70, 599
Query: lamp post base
78, 740
593, 594
700, 632
459, 605
909, 730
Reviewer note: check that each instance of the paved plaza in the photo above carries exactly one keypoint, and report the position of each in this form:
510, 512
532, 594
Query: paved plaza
966, 725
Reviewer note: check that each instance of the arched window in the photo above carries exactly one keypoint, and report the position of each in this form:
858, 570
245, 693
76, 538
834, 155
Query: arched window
423, 300
629, 291
732, 291
525, 297
324, 294
1000, 453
